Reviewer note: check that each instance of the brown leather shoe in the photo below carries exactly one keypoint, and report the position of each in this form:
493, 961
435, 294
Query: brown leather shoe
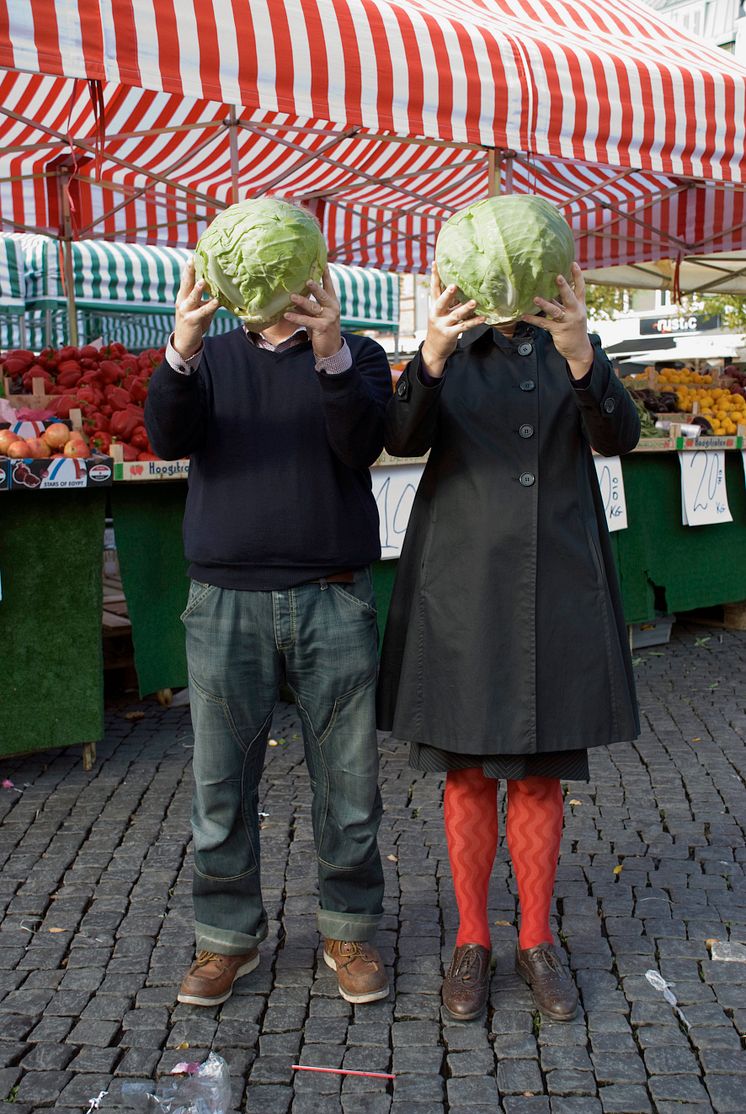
360, 972
467, 984
209, 981
551, 984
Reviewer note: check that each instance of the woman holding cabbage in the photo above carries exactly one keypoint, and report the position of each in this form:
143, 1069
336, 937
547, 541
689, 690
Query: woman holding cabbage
505, 654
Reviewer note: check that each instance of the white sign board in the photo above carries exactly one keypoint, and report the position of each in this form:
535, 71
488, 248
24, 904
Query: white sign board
611, 484
394, 488
704, 499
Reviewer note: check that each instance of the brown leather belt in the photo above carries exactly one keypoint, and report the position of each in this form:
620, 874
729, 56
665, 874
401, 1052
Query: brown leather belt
346, 577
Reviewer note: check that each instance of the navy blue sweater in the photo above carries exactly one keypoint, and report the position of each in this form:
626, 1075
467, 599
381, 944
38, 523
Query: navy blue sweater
279, 487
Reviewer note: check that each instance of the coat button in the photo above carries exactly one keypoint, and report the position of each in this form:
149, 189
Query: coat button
526, 348
527, 478
527, 385
610, 405
526, 431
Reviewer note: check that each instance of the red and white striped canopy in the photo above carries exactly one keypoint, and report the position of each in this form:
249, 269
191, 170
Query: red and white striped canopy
385, 117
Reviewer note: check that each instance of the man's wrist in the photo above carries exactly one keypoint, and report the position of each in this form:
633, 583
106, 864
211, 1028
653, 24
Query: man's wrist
339, 361
185, 365
186, 351
332, 347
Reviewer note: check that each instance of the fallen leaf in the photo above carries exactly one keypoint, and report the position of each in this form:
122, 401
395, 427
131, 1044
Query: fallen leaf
392, 858
184, 1044
697, 739
710, 941
503, 924
618, 869
272, 743
574, 801
134, 715
55, 930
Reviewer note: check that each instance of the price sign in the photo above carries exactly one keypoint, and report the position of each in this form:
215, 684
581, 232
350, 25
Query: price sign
704, 499
611, 483
394, 488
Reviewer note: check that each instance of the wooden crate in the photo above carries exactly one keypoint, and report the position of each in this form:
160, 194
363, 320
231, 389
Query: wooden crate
729, 616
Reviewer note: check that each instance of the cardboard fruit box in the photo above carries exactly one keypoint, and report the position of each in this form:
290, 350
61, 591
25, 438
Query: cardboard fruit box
51, 473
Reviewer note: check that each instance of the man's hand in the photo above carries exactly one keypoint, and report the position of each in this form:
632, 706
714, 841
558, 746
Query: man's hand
566, 321
193, 316
448, 319
320, 318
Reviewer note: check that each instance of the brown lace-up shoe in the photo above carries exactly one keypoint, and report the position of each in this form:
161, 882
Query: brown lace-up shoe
551, 984
467, 984
360, 972
209, 981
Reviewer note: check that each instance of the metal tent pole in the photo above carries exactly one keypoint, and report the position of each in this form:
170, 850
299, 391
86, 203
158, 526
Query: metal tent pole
66, 235
233, 136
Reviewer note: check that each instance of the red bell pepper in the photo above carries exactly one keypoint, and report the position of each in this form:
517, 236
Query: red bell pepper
91, 395
117, 397
138, 390
35, 372
62, 405
123, 423
140, 439
95, 420
91, 379
100, 440
111, 372
69, 378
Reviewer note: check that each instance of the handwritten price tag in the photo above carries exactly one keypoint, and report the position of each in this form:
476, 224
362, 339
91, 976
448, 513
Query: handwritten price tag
394, 489
704, 499
611, 484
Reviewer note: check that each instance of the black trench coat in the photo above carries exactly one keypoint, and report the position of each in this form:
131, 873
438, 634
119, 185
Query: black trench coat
505, 633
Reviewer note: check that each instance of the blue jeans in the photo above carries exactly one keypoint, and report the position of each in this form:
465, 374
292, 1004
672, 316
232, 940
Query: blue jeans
237, 642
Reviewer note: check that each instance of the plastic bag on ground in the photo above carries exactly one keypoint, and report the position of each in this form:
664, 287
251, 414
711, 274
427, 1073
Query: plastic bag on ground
189, 1089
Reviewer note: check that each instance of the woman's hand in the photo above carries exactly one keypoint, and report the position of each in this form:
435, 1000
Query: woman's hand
320, 318
448, 319
566, 321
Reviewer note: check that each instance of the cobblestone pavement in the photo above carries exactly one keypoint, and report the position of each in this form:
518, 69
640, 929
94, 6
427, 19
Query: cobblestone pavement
95, 888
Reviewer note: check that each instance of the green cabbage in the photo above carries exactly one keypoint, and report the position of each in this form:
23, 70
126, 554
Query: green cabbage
256, 254
505, 251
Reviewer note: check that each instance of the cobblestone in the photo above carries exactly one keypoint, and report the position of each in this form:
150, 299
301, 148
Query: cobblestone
105, 857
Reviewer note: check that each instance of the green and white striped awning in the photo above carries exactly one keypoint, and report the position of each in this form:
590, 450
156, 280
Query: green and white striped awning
12, 276
134, 278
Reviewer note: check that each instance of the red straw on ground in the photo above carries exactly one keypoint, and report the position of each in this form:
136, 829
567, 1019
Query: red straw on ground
345, 1071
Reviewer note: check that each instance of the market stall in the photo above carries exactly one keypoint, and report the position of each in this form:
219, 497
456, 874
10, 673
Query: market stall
384, 118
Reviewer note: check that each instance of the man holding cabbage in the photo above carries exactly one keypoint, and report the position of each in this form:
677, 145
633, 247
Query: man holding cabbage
281, 419
505, 654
